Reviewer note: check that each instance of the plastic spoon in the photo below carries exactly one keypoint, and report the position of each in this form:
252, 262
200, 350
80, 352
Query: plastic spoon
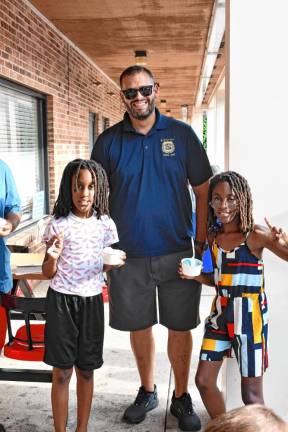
52, 251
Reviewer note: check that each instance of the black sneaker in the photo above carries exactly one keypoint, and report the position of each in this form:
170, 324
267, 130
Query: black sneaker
144, 402
182, 409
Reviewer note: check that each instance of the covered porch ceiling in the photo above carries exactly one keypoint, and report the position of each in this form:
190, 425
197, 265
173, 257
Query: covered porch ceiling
173, 33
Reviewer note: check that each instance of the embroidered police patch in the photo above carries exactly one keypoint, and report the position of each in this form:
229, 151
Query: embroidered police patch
168, 147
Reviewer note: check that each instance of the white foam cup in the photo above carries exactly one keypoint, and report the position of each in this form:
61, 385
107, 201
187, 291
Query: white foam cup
2, 222
112, 256
191, 266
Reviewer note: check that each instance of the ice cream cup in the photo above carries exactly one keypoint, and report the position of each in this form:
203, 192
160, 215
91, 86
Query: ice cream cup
2, 222
112, 256
191, 266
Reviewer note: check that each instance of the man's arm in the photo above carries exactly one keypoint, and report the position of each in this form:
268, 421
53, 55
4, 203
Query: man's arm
11, 204
201, 195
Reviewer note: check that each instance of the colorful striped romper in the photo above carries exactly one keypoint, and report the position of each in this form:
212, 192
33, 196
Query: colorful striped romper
239, 312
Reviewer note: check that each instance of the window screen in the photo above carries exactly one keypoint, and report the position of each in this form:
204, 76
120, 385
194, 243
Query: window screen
21, 147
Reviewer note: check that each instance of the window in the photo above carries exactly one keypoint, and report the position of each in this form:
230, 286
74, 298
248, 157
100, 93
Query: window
105, 123
93, 118
22, 146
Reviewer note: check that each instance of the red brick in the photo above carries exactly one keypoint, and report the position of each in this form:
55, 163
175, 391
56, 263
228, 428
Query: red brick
35, 55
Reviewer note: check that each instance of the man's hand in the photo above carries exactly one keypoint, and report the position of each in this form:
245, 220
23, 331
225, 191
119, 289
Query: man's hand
6, 229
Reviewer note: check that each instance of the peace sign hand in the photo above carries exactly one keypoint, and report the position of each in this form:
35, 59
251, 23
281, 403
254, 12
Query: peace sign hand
277, 233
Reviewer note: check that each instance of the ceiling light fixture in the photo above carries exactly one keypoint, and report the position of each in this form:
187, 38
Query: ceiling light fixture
141, 57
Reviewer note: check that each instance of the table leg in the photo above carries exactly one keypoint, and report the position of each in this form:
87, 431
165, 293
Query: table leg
24, 286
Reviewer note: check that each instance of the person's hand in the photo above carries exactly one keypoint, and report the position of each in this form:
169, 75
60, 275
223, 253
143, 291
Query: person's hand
6, 229
55, 246
277, 233
108, 267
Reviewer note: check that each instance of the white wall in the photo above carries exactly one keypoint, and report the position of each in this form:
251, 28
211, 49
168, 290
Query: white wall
197, 123
258, 131
215, 127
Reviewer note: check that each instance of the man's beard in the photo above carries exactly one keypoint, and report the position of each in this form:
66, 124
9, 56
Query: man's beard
141, 116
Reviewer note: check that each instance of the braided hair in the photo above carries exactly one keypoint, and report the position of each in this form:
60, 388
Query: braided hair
64, 204
241, 189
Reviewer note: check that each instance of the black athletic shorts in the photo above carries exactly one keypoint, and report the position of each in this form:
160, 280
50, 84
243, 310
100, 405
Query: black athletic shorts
74, 331
133, 289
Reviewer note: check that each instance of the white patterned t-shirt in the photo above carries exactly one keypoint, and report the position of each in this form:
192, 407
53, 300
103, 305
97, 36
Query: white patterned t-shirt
80, 265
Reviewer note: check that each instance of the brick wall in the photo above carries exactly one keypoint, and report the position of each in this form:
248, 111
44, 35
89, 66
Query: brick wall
33, 54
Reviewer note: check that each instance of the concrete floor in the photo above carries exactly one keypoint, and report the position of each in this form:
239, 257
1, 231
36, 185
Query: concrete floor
25, 407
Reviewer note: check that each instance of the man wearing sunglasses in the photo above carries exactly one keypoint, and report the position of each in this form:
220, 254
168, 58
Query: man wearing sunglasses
149, 159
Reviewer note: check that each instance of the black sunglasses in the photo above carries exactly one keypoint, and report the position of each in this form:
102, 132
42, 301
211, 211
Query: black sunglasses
131, 93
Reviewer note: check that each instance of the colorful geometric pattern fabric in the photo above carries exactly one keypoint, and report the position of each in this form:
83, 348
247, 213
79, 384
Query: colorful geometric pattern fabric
239, 313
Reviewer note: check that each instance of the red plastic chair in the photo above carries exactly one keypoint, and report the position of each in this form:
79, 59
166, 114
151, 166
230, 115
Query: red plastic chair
105, 295
28, 342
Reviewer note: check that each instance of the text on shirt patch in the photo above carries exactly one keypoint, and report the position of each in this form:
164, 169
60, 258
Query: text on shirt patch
168, 147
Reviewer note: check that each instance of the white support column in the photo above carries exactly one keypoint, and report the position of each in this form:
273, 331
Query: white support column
215, 127
257, 143
197, 122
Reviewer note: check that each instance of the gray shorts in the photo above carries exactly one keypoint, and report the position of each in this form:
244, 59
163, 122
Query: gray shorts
132, 291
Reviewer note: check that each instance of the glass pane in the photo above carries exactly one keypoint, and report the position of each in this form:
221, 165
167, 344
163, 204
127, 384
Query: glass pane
19, 145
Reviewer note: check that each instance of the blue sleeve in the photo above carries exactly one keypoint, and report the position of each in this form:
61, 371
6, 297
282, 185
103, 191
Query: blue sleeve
12, 201
198, 166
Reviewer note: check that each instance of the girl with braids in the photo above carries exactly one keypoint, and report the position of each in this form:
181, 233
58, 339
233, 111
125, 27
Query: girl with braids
75, 238
238, 317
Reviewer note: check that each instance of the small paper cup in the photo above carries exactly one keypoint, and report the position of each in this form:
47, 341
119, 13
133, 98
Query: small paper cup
2, 222
112, 256
191, 266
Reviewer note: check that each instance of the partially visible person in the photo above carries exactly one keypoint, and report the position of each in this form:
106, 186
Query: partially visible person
150, 159
239, 314
10, 218
249, 418
75, 238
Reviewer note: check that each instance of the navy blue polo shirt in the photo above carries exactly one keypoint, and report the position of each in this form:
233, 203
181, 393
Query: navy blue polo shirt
148, 175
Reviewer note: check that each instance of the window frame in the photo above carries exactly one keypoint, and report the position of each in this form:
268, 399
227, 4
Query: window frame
42, 140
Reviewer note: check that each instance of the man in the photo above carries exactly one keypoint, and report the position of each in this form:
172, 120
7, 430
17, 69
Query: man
9, 220
149, 159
